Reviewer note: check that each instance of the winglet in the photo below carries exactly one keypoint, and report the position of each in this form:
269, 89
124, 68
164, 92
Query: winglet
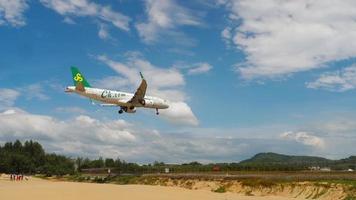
141, 75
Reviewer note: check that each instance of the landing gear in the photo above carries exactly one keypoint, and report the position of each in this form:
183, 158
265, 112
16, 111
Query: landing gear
122, 109
157, 113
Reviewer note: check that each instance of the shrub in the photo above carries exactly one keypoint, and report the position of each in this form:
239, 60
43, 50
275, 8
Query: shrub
220, 189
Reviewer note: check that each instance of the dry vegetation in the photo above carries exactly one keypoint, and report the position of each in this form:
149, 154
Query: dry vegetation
308, 185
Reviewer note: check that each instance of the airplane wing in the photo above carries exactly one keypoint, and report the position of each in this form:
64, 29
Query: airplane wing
140, 93
108, 105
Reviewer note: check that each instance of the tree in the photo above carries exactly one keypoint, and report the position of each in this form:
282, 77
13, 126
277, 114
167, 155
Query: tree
109, 162
58, 165
98, 163
30, 158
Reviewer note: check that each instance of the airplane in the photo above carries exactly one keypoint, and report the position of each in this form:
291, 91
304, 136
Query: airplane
127, 102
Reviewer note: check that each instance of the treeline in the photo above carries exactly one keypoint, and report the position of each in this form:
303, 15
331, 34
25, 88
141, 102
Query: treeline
119, 167
116, 165
30, 158
269, 164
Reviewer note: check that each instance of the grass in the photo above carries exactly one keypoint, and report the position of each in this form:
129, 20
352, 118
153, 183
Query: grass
348, 185
125, 180
42, 176
188, 184
349, 197
220, 189
351, 183
254, 183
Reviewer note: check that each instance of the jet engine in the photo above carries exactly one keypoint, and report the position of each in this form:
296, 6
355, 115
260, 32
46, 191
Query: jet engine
149, 103
130, 109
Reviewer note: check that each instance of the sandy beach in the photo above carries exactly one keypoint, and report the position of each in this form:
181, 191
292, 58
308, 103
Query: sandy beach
38, 189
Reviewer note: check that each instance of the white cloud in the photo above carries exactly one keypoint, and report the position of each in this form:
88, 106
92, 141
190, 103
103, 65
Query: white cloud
284, 37
157, 77
163, 17
34, 91
83, 8
181, 113
162, 82
86, 136
69, 20
226, 35
8, 97
304, 138
112, 82
200, 68
83, 129
103, 32
338, 81
12, 12
338, 125
193, 69
71, 109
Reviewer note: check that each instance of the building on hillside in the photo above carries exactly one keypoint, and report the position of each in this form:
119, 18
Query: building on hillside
325, 169
97, 170
314, 168
216, 168
166, 170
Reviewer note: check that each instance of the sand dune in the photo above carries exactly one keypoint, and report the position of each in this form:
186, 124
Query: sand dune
37, 189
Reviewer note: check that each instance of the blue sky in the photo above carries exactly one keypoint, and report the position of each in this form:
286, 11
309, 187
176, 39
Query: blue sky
242, 77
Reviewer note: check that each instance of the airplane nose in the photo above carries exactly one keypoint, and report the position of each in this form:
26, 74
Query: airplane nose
165, 106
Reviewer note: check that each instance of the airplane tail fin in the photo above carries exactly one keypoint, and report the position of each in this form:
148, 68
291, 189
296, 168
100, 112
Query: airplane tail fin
79, 81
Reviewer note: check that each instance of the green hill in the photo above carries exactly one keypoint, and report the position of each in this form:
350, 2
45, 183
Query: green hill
274, 161
285, 159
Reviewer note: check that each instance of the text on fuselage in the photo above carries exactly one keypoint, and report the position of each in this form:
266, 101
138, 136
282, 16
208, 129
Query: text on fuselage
110, 94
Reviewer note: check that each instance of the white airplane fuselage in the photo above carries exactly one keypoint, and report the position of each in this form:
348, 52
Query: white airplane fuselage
118, 98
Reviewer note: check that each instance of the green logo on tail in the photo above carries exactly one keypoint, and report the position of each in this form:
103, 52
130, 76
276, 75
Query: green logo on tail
78, 78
